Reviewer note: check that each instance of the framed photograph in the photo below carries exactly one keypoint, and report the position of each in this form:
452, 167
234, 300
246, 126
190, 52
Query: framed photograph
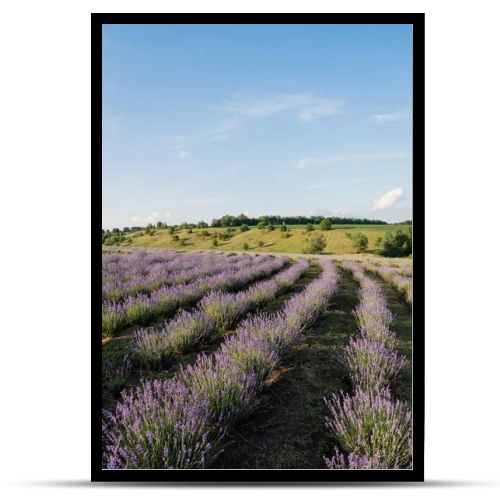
259, 184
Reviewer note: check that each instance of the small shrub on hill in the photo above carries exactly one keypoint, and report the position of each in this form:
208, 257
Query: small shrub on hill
316, 244
397, 243
325, 225
359, 240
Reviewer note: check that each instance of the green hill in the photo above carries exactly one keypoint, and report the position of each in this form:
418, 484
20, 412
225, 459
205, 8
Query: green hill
259, 240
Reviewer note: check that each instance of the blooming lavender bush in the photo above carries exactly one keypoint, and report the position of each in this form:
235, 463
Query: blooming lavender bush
371, 364
142, 308
223, 308
150, 348
113, 318
114, 375
188, 330
400, 278
353, 461
228, 390
274, 329
159, 425
219, 311
286, 279
178, 423
372, 425
252, 355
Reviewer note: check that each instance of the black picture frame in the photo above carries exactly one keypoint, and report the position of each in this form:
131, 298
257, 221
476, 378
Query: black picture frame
264, 476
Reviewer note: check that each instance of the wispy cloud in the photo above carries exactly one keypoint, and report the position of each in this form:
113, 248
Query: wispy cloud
389, 199
389, 117
154, 217
308, 161
338, 182
183, 155
326, 212
305, 106
216, 133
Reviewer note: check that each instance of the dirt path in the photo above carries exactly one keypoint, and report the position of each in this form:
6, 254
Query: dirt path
287, 429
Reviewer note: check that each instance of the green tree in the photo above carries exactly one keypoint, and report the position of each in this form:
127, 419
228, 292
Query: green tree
175, 238
309, 228
359, 240
261, 225
325, 225
260, 243
245, 246
283, 228
316, 244
243, 228
397, 243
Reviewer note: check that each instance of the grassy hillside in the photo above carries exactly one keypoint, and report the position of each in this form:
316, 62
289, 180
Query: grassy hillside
273, 241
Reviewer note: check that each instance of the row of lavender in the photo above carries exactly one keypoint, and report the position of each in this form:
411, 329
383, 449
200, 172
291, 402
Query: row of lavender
373, 428
135, 277
143, 309
217, 313
397, 277
179, 423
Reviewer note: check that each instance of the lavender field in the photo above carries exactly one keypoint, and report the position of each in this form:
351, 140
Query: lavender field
216, 360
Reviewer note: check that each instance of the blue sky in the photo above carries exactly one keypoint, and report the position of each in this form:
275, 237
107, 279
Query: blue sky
204, 120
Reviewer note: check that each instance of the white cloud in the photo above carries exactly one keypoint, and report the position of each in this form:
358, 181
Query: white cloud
217, 133
389, 199
389, 117
331, 160
154, 217
326, 212
306, 106
183, 155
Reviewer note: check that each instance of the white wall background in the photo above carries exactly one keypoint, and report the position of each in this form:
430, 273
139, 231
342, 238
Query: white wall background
45, 272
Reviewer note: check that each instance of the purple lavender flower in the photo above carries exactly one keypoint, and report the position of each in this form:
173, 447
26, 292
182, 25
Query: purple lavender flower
372, 425
372, 364
178, 423
159, 425
228, 390
353, 461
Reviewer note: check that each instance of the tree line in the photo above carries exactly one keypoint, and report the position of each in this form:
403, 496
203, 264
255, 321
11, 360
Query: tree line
243, 220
